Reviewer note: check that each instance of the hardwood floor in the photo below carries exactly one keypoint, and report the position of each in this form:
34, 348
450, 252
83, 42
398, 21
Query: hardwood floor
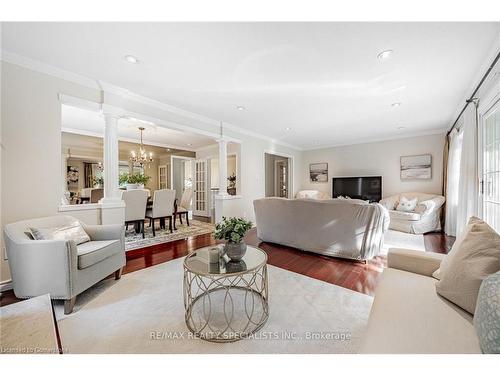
349, 274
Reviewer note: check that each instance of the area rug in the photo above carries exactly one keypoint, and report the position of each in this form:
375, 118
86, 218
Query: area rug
144, 313
401, 240
135, 241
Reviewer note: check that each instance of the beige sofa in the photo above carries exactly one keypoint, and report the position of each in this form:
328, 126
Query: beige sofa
408, 316
340, 228
425, 218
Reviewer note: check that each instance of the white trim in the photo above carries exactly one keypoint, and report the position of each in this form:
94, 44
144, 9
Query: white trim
375, 140
109, 88
38, 66
125, 139
74, 101
6, 285
226, 197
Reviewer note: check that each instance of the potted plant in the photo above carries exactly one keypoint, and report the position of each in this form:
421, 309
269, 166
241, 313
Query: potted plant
231, 186
134, 180
232, 230
98, 182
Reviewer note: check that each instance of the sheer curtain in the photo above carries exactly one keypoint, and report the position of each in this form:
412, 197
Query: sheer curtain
468, 182
452, 181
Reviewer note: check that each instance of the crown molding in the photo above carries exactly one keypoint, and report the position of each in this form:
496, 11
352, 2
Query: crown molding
375, 140
109, 88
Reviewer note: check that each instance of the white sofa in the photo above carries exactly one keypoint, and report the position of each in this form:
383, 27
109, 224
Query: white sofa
408, 316
312, 194
425, 218
340, 228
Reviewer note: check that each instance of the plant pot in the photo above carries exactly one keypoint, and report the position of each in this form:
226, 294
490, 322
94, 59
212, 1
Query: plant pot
135, 186
235, 251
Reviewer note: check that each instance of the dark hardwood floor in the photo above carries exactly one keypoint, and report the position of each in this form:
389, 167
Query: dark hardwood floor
353, 275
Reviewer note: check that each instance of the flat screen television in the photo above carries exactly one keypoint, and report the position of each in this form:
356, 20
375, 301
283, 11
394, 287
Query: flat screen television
366, 188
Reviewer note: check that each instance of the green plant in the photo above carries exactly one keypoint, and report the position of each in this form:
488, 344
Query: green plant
232, 229
98, 180
134, 178
232, 181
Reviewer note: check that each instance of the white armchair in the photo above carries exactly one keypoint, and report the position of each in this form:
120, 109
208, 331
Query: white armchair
61, 267
312, 194
425, 218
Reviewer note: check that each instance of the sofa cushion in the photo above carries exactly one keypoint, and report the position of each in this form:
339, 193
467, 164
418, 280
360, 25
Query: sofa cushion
407, 205
408, 316
401, 215
487, 315
69, 231
90, 253
474, 256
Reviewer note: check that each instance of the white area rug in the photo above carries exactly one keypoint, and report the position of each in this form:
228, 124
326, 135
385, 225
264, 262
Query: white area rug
121, 316
393, 238
135, 241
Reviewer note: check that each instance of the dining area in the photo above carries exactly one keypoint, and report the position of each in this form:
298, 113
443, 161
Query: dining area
141, 208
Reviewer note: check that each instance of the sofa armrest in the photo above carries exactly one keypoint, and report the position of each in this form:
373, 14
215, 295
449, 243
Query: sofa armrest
414, 261
105, 232
389, 202
43, 266
432, 205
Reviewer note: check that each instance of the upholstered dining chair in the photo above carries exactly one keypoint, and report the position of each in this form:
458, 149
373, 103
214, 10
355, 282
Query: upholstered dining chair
184, 206
135, 208
96, 195
61, 267
163, 208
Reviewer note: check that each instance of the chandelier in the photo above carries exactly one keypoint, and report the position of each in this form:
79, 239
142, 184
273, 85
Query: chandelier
141, 157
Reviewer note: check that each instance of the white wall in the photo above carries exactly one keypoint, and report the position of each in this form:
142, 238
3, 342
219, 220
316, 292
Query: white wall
380, 159
31, 145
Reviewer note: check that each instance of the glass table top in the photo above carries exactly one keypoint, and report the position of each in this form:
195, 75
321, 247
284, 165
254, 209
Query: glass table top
199, 262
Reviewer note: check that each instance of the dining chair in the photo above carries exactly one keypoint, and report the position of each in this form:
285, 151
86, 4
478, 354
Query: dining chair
96, 195
185, 205
163, 208
135, 208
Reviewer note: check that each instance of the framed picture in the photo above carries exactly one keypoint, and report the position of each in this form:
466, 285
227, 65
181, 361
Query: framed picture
318, 172
416, 167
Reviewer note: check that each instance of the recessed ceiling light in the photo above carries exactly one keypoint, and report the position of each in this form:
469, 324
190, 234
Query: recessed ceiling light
385, 54
397, 104
401, 127
189, 144
288, 129
240, 108
131, 59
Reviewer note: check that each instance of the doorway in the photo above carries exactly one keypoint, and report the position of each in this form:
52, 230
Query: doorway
277, 175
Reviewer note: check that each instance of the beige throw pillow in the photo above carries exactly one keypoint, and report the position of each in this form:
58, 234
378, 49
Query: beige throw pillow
474, 256
73, 231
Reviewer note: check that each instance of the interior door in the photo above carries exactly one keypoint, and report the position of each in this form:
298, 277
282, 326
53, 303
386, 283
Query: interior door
490, 150
201, 189
281, 168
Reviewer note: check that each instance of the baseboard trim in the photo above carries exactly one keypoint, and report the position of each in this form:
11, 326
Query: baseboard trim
5, 285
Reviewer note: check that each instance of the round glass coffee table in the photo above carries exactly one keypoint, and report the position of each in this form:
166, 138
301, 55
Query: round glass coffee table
225, 301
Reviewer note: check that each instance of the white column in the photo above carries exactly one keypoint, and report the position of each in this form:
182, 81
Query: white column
64, 172
110, 159
222, 167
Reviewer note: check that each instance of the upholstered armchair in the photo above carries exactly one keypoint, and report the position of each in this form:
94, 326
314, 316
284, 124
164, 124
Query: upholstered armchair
60, 267
312, 194
425, 218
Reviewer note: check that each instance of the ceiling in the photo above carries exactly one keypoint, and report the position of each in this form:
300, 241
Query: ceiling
321, 80
92, 123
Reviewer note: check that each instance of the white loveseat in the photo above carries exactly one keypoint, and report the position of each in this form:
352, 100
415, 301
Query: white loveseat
425, 218
340, 228
312, 194
408, 316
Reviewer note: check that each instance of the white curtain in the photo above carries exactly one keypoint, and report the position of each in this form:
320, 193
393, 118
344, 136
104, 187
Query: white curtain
453, 175
468, 182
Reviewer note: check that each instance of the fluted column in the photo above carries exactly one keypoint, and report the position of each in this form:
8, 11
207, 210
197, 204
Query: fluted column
222, 167
110, 159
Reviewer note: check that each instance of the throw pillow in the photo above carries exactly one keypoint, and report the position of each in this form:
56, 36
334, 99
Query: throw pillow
407, 205
487, 315
73, 231
474, 256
